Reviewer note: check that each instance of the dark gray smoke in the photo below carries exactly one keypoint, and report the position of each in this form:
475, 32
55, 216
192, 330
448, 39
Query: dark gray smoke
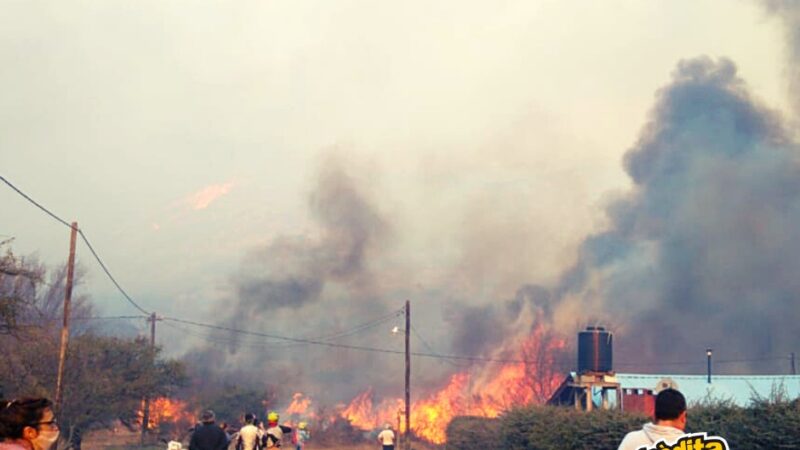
293, 272
314, 286
482, 329
704, 251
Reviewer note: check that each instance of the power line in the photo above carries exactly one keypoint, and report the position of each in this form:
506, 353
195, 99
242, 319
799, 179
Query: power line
111, 277
282, 338
362, 327
85, 240
219, 339
347, 346
108, 318
97, 318
430, 348
64, 222
703, 362
562, 363
322, 340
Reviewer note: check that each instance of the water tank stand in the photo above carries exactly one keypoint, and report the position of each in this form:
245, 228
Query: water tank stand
585, 384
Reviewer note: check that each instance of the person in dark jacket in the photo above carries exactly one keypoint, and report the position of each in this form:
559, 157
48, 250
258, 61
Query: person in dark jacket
207, 435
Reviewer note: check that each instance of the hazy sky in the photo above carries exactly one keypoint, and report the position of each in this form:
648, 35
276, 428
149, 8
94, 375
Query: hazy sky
184, 136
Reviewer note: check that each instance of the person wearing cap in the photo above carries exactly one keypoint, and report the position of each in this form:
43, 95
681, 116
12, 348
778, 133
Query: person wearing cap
670, 422
274, 434
301, 436
207, 435
386, 437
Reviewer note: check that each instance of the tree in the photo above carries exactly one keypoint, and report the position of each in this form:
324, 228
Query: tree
17, 282
105, 377
544, 353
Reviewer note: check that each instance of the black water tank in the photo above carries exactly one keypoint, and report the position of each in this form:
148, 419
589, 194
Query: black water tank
595, 350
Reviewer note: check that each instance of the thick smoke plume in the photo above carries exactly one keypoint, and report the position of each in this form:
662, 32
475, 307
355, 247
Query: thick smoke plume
704, 251
292, 272
300, 285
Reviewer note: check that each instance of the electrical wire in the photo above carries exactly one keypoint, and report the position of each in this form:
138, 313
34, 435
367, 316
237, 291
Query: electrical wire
431, 349
111, 277
352, 347
34, 202
85, 240
220, 339
325, 340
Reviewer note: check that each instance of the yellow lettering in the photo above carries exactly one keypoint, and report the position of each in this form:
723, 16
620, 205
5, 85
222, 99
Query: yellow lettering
714, 445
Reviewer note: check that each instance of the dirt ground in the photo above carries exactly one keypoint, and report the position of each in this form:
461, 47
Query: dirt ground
121, 438
98, 445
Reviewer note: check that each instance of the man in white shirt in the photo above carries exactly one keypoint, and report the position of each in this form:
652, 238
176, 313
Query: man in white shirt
668, 427
386, 437
249, 435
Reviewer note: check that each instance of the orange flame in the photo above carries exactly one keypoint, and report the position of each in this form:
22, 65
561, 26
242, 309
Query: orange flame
361, 413
485, 391
164, 410
300, 404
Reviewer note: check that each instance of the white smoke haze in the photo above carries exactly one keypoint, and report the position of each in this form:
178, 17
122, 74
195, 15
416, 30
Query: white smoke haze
483, 140
789, 12
698, 253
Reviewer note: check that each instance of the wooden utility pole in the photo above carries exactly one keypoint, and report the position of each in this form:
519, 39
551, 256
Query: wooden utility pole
62, 355
407, 440
146, 408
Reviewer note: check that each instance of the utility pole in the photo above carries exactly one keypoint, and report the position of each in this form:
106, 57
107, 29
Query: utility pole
407, 440
146, 408
708, 358
794, 372
62, 355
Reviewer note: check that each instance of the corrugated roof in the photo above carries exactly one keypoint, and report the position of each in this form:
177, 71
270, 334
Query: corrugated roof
738, 388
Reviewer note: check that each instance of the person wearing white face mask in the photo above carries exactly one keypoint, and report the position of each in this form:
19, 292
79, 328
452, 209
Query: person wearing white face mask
27, 424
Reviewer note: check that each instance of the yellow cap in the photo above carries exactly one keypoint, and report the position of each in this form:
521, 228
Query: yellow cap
272, 416
302, 425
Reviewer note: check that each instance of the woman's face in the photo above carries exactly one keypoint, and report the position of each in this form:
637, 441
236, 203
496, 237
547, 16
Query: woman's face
43, 433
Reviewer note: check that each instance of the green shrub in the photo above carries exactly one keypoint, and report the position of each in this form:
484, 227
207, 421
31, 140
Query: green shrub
558, 428
473, 433
766, 424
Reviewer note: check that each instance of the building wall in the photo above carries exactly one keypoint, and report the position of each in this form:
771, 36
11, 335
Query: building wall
639, 400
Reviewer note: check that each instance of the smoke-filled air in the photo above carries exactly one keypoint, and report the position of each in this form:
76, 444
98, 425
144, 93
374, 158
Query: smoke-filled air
699, 252
321, 169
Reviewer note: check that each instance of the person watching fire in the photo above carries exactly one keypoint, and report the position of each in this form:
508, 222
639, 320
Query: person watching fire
669, 426
274, 433
249, 436
208, 435
386, 437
